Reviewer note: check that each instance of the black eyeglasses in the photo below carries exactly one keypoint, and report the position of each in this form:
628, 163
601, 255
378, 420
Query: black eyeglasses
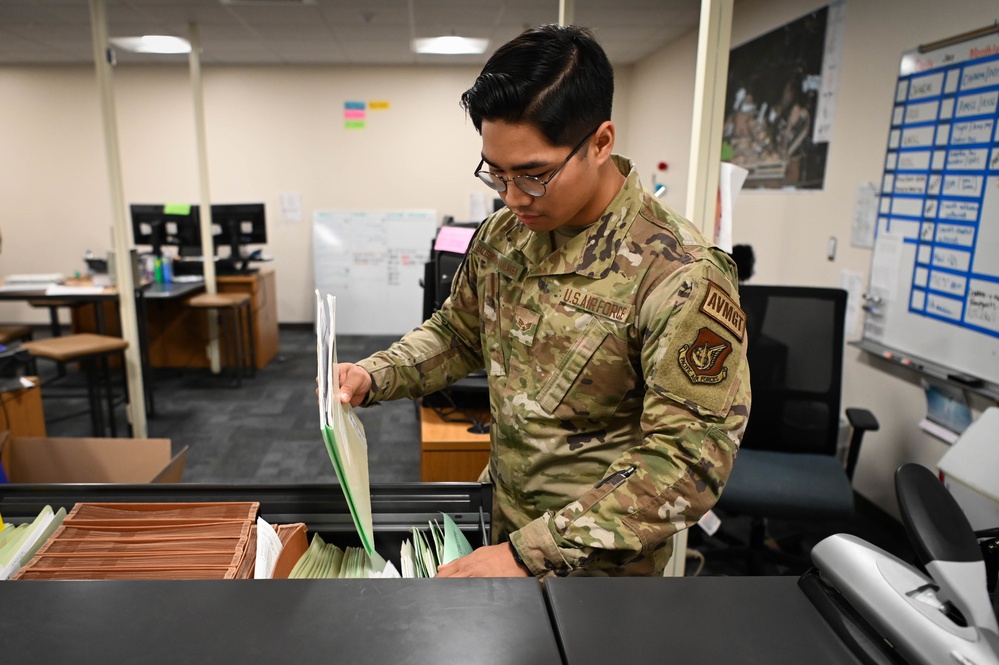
528, 184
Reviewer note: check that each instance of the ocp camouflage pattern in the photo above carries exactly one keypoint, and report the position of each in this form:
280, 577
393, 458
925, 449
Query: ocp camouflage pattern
618, 382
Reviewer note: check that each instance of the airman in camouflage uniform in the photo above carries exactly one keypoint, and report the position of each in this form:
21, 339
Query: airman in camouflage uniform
618, 382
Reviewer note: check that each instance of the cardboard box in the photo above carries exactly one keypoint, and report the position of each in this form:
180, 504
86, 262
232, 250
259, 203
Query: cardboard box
90, 460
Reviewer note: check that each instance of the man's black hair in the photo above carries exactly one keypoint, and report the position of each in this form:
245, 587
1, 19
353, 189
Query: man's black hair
556, 78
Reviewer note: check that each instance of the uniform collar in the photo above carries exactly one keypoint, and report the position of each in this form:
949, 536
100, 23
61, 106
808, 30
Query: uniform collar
591, 253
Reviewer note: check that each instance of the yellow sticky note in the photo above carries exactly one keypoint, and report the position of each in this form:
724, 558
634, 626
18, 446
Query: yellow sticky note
378, 106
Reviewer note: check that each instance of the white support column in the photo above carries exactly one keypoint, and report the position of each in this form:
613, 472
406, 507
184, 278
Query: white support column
566, 12
124, 277
713, 43
207, 247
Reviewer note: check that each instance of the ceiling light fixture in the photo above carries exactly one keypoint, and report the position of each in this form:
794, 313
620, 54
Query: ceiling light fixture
152, 44
450, 45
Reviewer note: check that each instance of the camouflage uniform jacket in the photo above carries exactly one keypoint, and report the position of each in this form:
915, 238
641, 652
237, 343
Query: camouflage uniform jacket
618, 382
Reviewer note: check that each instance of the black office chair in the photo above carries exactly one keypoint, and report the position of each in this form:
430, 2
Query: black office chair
787, 467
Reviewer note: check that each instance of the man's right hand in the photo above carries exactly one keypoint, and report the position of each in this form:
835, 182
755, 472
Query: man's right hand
355, 383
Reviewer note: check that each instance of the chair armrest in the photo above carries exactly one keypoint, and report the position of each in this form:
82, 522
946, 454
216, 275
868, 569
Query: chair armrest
861, 420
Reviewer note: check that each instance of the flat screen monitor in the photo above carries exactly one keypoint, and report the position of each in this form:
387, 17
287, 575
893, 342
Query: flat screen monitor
235, 225
157, 225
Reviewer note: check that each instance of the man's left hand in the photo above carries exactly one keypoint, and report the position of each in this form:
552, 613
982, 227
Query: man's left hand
488, 561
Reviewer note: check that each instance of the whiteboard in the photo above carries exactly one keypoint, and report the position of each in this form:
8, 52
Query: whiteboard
934, 286
372, 261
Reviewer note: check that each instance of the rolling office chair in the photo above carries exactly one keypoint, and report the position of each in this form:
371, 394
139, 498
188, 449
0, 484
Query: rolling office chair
787, 467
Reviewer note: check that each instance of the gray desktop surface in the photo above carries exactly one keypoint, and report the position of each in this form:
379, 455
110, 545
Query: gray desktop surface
691, 620
173, 289
501, 621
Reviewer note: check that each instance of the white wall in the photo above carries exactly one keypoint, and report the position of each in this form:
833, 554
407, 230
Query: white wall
270, 130
789, 231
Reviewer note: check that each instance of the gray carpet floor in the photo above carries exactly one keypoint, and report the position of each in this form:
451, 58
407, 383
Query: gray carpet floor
266, 431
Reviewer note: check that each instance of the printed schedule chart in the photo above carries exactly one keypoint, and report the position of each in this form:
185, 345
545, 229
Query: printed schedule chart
940, 189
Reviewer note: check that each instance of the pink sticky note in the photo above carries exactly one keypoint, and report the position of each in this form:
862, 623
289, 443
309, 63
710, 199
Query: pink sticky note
453, 239
353, 114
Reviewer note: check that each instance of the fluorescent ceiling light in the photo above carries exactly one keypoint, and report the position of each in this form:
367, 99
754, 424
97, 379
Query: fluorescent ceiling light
450, 45
153, 44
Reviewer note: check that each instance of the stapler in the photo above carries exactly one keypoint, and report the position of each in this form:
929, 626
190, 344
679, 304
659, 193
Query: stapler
889, 611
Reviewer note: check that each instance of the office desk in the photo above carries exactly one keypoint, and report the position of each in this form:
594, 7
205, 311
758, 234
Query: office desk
178, 335
691, 620
448, 451
108, 295
100, 314
500, 621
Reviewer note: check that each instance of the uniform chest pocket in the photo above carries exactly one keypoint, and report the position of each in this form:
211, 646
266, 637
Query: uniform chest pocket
490, 318
591, 379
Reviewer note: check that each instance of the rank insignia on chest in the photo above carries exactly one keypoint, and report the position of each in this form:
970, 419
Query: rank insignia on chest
703, 360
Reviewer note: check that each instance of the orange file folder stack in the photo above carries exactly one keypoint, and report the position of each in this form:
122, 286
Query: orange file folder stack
99, 541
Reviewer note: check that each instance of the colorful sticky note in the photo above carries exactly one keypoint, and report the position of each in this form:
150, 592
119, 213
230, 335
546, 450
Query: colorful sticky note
453, 239
353, 124
351, 114
378, 106
354, 106
177, 209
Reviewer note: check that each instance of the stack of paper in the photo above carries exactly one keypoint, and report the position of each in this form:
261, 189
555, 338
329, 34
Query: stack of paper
145, 541
347, 446
324, 560
36, 279
18, 544
342, 430
421, 558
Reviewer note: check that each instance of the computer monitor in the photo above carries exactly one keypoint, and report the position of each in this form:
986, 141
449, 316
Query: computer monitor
237, 224
157, 225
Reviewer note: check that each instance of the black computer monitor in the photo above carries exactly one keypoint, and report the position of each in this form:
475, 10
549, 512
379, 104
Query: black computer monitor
237, 224
157, 225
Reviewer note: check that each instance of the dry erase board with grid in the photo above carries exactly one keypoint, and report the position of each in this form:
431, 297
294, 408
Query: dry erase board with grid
372, 261
934, 289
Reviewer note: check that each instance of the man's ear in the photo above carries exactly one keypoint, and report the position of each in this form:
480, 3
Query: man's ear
602, 144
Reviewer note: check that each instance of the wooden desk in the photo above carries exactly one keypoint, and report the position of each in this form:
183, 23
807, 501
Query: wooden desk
23, 411
262, 287
178, 335
448, 451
